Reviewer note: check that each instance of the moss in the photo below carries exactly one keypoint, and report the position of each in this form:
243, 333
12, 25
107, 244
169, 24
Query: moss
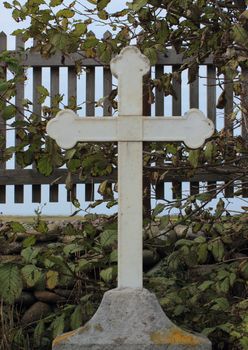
174, 336
62, 338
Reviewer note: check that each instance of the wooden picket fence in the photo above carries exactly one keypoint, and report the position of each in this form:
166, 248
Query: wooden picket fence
20, 177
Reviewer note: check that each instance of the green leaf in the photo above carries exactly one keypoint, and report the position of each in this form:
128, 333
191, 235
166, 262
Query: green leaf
30, 254
44, 166
58, 325
136, 5
54, 3
29, 241
108, 274
9, 112
101, 4
151, 53
10, 283
108, 238
194, 158
66, 13
52, 279
43, 93
38, 332
80, 28
158, 209
221, 304
240, 35
7, 5
202, 253
31, 275
205, 285
113, 256
77, 317
16, 227
217, 249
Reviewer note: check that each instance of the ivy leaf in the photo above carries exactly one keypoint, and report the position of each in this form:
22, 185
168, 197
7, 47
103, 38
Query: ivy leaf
10, 282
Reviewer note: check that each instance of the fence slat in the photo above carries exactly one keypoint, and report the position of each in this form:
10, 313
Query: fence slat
244, 131
3, 46
194, 103
228, 124
146, 179
211, 108
72, 93
159, 111
19, 189
107, 88
90, 112
177, 111
54, 90
37, 81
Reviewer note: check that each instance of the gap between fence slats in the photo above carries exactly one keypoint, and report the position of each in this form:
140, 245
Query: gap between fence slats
3, 46
19, 189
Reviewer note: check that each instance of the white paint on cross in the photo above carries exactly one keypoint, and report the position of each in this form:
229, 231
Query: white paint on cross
130, 129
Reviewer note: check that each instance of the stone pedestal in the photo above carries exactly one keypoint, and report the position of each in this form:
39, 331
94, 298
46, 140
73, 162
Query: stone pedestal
130, 319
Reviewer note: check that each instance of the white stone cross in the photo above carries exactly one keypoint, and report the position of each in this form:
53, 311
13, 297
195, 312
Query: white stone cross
130, 129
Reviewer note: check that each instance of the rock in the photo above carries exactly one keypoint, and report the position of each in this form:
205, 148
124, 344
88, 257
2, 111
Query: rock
48, 297
7, 248
181, 230
66, 293
130, 319
26, 299
155, 269
10, 258
36, 312
150, 258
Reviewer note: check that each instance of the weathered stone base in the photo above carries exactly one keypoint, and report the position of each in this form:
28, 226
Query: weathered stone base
130, 319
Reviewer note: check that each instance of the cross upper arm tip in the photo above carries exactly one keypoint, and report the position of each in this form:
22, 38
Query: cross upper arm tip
129, 57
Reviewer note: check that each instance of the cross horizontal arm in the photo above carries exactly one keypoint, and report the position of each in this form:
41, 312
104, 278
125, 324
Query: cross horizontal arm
193, 129
68, 129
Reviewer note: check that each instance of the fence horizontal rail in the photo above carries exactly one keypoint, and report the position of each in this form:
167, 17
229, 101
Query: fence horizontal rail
29, 176
34, 59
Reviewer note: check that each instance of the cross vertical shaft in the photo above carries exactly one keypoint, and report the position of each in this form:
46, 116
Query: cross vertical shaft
130, 172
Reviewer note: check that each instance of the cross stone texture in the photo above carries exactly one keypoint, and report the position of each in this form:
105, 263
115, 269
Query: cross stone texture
130, 317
